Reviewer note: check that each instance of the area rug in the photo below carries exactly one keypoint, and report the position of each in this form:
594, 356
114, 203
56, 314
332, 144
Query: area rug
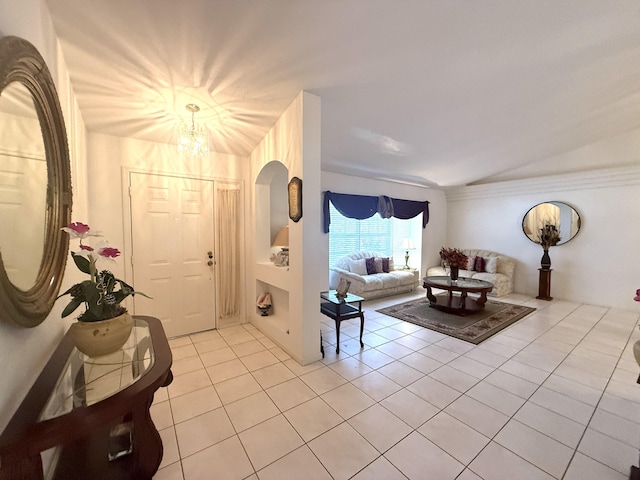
473, 328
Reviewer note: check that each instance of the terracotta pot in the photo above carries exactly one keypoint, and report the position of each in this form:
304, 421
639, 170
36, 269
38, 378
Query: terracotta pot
102, 337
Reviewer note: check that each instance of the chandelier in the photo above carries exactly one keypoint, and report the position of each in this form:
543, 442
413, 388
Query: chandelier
192, 137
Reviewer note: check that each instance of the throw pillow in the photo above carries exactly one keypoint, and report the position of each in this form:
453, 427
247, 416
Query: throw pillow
391, 265
378, 261
479, 266
385, 265
358, 267
490, 264
371, 265
471, 263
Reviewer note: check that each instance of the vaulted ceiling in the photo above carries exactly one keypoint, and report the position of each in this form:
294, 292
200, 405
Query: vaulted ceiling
426, 92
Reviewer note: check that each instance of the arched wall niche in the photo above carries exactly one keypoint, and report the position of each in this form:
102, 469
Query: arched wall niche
272, 207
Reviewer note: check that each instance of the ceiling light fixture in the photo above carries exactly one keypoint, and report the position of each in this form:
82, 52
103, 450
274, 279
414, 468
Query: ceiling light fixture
192, 138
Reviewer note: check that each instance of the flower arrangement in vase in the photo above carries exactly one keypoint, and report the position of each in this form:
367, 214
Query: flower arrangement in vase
105, 322
549, 236
455, 259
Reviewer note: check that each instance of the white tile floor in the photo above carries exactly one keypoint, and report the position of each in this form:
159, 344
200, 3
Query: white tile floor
551, 397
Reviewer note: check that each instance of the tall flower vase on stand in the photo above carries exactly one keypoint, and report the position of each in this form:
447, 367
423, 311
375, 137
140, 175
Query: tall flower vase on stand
545, 262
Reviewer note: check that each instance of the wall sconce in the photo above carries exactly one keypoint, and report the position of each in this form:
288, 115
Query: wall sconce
281, 259
407, 245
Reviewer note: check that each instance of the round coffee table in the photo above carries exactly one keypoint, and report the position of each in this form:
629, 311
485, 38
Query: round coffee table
457, 304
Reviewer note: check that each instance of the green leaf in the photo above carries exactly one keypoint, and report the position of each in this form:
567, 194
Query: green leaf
82, 263
71, 307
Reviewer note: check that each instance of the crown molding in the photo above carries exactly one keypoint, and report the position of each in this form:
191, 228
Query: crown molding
591, 179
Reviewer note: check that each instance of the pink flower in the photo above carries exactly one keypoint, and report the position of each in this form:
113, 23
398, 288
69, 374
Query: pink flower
109, 252
637, 297
79, 230
86, 247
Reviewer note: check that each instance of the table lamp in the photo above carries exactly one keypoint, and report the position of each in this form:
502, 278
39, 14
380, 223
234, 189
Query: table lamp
407, 245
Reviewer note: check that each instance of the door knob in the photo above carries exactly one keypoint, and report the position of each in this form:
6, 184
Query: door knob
210, 263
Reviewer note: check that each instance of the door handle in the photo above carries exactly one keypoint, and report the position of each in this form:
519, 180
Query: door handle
210, 263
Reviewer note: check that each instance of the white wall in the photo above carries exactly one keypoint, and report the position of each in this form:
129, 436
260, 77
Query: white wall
433, 236
597, 267
295, 142
109, 156
24, 352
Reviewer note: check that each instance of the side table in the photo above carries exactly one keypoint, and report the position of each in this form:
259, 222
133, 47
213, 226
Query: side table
341, 308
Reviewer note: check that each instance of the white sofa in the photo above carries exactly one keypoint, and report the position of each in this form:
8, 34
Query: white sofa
373, 285
500, 271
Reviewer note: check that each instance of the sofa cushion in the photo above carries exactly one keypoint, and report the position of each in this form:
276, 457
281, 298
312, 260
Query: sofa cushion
371, 265
385, 265
479, 265
471, 263
358, 266
490, 264
378, 262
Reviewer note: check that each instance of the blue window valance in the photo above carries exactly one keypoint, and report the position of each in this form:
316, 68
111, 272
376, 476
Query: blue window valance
366, 206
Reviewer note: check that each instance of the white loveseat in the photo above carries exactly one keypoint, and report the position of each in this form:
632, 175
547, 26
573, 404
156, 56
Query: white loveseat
499, 270
374, 285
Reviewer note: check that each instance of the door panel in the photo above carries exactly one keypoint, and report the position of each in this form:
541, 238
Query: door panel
172, 231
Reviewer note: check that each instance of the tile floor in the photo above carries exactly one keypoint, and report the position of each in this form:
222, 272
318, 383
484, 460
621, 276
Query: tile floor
551, 397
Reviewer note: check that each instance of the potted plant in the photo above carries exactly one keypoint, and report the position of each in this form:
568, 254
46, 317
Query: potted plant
455, 259
105, 325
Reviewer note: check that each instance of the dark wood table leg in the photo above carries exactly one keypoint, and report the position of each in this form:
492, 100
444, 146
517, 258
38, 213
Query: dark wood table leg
361, 328
432, 298
482, 299
337, 319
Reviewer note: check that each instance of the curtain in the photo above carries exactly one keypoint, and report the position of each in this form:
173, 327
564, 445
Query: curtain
227, 201
366, 206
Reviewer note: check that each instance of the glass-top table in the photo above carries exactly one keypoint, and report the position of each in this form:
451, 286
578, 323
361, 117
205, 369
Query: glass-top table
89, 417
87, 380
456, 300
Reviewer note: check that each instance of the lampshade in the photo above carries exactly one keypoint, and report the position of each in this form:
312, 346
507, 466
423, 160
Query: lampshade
192, 137
282, 239
407, 244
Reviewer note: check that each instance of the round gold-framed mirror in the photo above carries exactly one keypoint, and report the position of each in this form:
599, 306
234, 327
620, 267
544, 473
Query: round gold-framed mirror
22, 304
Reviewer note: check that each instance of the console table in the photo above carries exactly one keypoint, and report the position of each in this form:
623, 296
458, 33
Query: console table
341, 308
90, 409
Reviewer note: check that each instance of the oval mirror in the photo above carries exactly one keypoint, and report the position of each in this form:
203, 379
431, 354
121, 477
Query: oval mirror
33, 249
564, 217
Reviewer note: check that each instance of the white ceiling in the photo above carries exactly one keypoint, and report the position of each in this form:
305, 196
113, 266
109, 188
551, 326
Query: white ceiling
419, 91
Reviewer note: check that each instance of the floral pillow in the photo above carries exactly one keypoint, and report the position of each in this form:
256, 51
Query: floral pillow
479, 265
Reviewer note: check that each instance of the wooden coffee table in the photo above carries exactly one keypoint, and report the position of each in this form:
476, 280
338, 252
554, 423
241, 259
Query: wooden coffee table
457, 304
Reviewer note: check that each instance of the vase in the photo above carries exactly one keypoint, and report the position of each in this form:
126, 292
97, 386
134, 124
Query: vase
453, 272
102, 337
545, 262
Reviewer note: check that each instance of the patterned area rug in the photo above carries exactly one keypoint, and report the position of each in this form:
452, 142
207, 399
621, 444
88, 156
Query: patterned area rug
472, 328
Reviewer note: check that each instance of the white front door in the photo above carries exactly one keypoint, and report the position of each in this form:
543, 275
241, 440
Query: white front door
172, 237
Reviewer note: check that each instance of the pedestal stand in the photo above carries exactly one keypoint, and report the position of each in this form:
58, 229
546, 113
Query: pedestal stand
544, 284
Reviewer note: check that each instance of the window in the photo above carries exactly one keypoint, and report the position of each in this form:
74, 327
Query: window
374, 234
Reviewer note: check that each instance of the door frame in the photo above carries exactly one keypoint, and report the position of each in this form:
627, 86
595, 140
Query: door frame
127, 253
